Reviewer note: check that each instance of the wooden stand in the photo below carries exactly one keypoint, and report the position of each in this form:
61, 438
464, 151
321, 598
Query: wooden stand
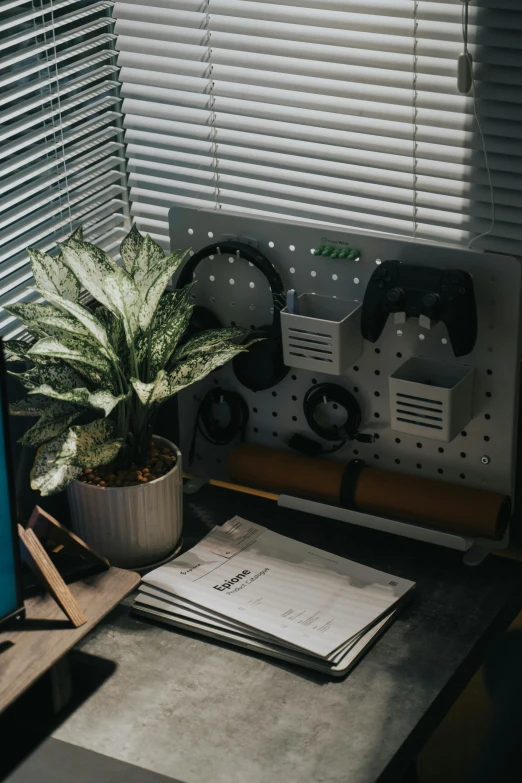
43, 528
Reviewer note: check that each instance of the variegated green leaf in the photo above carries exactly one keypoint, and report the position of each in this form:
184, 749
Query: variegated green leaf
55, 372
56, 418
130, 247
16, 350
210, 340
76, 234
154, 285
77, 351
124, 300
188, 371
169, 324
87, 324
48, 476
90, 445
145, 264
30, 311
33, 405
101, 400
53, 276
91, 265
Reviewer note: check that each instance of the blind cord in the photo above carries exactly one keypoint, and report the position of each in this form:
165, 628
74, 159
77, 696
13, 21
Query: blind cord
465, 25
211, 428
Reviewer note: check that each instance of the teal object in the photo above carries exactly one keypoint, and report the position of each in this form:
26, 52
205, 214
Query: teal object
318, 250
10, 598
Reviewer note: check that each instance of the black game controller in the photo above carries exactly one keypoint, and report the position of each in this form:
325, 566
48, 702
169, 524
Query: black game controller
423, 292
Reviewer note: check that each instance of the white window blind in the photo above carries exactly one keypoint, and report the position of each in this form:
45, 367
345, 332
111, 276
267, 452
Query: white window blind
61, 139
341, 111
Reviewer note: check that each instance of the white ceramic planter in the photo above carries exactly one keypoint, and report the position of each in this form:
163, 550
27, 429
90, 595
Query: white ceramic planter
131, 526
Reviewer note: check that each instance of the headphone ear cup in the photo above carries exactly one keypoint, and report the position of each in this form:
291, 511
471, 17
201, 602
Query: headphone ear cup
262, 367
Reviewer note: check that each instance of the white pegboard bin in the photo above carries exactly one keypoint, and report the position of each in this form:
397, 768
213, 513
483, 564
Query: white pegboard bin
481, 455
324, 337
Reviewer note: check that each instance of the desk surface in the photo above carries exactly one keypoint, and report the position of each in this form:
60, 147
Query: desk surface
201, 712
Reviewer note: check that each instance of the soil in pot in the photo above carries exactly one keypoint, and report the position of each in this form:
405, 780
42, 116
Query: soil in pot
159, 462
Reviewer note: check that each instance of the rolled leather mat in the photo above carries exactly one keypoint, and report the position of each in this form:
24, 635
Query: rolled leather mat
285, 472
450, 507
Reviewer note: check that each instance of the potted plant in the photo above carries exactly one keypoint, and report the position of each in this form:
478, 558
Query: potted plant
96, 377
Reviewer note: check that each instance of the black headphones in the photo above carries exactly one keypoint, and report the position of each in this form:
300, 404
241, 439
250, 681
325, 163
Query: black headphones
262, 366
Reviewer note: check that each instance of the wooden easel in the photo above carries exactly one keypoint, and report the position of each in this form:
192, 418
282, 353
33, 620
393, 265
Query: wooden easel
42, 529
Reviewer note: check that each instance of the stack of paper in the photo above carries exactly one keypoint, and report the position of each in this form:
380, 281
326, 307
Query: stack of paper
251, 587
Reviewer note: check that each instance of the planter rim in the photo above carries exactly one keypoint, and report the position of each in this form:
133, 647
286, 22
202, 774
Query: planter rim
139, 486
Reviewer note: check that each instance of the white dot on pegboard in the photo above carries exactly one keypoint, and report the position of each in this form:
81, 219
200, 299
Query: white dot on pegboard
231, 281
291, 247
210, 235
313, 273
422, 336
292, 270
356, 280
252, 285
271, 244
230, 260
211, 258
191, 230
378, 261
312, 251
250, 263
444, 341
191, 252
335, 277
399, 332
212, 278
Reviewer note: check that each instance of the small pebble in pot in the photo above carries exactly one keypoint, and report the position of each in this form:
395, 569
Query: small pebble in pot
158, 463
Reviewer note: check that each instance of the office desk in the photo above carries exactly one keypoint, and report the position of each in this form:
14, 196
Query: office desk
201, 712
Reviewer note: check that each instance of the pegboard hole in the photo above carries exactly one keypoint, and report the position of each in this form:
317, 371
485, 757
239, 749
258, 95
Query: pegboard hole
462, 475
233, 304
464, 434
231, 259
335, 277
377, 350
397, 440
422, 336
314, 381
397, 462
376, 456
377, 415
256, 429
292, 270
191, 252
313, 273
377, 372
418, 466
231, 281
274, 434
291, 247
252, 285
419, 445
356, 280
212, 278
377, 394
378, 261
210, 235
399, 332
441, 450
489, 372
376, 436
271, 244
274, 414
398, 355
213, 299
440, 471
488, 394
294, 397
355, 368
355, 451
356, 389
335, 406
486, 438
463, 454
232, 323
254, 410
191, 231
294, 418
487, 416
294, 377
444, 341
211, 258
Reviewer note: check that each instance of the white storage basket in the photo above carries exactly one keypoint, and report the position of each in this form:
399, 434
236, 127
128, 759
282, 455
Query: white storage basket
325, 336
431, 399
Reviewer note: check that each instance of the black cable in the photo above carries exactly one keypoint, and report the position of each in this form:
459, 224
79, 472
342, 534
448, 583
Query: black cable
330, 393
211, 428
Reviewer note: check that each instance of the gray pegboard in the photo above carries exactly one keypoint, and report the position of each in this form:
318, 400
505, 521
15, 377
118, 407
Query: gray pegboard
238, 293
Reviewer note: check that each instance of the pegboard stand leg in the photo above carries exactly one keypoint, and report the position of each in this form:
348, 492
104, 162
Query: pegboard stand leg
193, 485
475, 555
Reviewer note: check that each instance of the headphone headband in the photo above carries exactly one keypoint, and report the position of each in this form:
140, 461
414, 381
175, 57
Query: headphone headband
250, 254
